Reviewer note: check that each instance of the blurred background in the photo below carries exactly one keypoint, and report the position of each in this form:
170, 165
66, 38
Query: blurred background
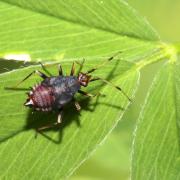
112, 159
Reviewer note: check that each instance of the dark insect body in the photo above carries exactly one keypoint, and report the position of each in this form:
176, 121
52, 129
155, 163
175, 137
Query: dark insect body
54, 92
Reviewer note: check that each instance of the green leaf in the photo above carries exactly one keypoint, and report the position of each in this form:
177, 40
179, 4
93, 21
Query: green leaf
31, 156
115, 21
56, 30
115, 165
156, 146
177, 45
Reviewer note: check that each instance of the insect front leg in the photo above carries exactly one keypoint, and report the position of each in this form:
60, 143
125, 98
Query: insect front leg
42, 75
112, 85
88, 94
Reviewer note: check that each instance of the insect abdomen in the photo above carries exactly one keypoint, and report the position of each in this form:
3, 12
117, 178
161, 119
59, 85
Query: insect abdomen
41, 98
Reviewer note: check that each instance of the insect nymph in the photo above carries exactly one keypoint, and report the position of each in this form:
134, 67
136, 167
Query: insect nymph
54, 92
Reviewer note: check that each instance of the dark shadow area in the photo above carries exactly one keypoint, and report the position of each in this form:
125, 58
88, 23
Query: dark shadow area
9, 65
37, 119
70, 115
17, 89
11, 135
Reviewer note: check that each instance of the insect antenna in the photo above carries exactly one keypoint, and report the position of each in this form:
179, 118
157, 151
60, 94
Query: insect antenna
111, 84
81, 64
104, 63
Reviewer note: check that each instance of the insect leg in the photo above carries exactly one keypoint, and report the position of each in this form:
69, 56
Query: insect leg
88, 94
72, 69
111, 84
44, 68
34, 72
59, 120
77, 105
60, 71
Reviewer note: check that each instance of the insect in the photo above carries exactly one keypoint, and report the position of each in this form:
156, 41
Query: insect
54, 92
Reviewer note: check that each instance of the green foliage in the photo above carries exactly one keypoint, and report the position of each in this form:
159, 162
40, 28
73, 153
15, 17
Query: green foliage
51, 35
156, 146
96, 120
62, 31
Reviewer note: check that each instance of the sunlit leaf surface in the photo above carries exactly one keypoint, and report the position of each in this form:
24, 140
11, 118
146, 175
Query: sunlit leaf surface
67, 31
156, 146
79, 134
49, 30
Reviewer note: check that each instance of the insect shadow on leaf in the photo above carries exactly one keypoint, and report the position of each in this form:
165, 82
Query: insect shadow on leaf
40, 119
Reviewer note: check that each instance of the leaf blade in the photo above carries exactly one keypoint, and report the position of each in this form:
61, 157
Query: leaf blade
68, 152
156, 145
43, 38
74, 11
